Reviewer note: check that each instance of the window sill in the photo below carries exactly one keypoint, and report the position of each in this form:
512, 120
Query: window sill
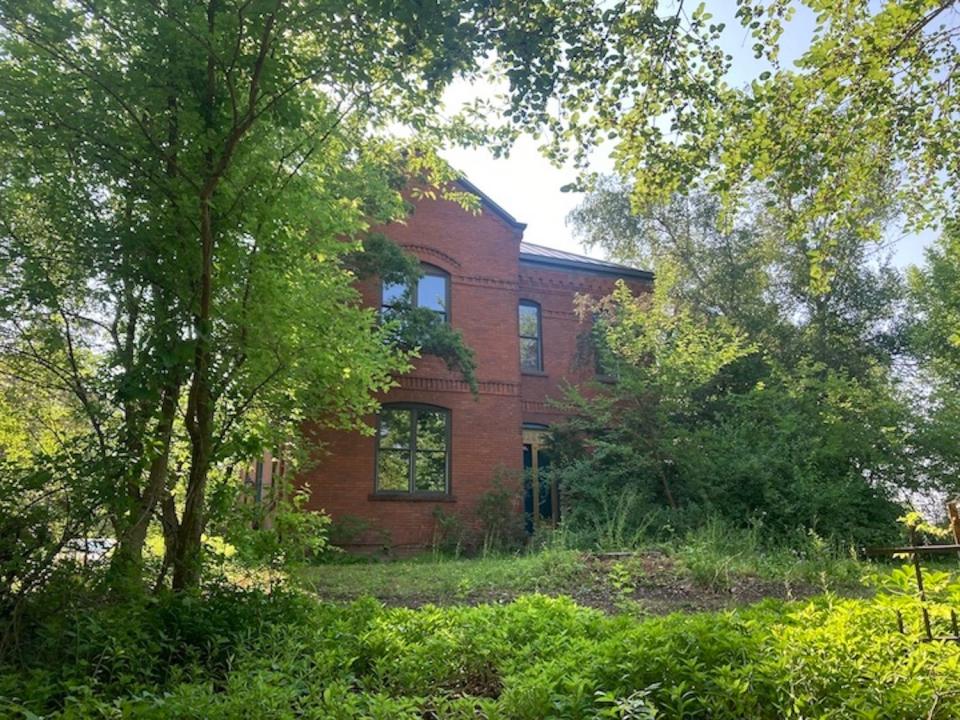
534, 373
410, 497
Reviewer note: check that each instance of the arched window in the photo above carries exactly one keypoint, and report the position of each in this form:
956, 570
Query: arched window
413, 450
531, 341
432, 291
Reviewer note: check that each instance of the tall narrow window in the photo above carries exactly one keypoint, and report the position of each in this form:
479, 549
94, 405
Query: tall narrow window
531, 345
432, 291
413, 450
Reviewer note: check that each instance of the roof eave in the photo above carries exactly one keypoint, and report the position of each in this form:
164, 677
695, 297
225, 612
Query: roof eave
586, 267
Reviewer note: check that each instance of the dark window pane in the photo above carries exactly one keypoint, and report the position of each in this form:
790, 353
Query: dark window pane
529, 321
393, 470
395, 429
431, 430
431, 471
432, 293
529, 354
395, 292
405, 450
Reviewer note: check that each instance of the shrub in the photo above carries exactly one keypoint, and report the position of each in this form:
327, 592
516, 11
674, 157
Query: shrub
448, 533
701, 423
501, 524
231, 653
284, 535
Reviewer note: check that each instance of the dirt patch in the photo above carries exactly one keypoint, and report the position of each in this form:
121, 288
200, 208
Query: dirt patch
660, 587
651, 583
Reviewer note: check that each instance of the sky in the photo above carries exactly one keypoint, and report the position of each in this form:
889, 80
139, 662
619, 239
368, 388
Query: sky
528, 186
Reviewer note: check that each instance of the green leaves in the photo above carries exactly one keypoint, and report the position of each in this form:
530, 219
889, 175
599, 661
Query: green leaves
744, 391
864, 118
665, 346
187, 187
222, 652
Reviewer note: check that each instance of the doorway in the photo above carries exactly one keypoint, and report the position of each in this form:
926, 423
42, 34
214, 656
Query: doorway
541, 495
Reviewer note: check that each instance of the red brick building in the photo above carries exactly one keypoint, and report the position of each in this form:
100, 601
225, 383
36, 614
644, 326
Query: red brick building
437, 444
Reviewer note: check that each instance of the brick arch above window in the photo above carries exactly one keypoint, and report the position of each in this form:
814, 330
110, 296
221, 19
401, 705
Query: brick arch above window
429, 254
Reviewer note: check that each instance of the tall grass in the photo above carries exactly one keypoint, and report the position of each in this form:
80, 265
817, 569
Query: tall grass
623, 522
709, 548
716, 553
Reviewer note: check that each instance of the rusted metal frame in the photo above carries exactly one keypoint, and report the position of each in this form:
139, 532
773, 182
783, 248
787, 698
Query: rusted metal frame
915, 551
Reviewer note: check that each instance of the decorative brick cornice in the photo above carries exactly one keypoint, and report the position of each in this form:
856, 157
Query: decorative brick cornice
563, 285
537, 406
430, 384
486, 282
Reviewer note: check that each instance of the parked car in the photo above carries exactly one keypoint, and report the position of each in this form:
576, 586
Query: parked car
87, 551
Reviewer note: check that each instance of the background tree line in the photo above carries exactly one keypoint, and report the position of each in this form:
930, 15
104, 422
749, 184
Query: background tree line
824, 394
743, 390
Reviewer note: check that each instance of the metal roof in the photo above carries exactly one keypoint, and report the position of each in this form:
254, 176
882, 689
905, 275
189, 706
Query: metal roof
538, 254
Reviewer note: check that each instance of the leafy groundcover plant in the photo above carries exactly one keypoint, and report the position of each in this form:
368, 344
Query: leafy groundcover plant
243, 654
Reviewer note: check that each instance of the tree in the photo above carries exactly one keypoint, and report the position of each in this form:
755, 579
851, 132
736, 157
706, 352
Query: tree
663, 354
936, 294
47, 498
183, 181
716, 271
751, 272
808, 426
935, 339
868, 114
702, 423
859, 133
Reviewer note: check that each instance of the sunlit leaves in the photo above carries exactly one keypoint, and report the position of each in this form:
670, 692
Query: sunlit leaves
867, 115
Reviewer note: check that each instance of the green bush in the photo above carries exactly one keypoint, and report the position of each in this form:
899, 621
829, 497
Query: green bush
500, 523
764, 458
230, 653
700, 422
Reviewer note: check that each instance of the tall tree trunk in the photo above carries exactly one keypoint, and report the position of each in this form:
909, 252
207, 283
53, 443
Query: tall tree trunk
187, 558
199, 421
200, 404
127, 561
171, 526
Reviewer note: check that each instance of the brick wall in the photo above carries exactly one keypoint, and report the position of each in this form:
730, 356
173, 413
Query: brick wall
563, 334
480, 252
487, 280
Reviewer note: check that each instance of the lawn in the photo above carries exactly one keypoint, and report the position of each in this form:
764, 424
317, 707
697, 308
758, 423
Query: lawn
704, 573
431, 578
